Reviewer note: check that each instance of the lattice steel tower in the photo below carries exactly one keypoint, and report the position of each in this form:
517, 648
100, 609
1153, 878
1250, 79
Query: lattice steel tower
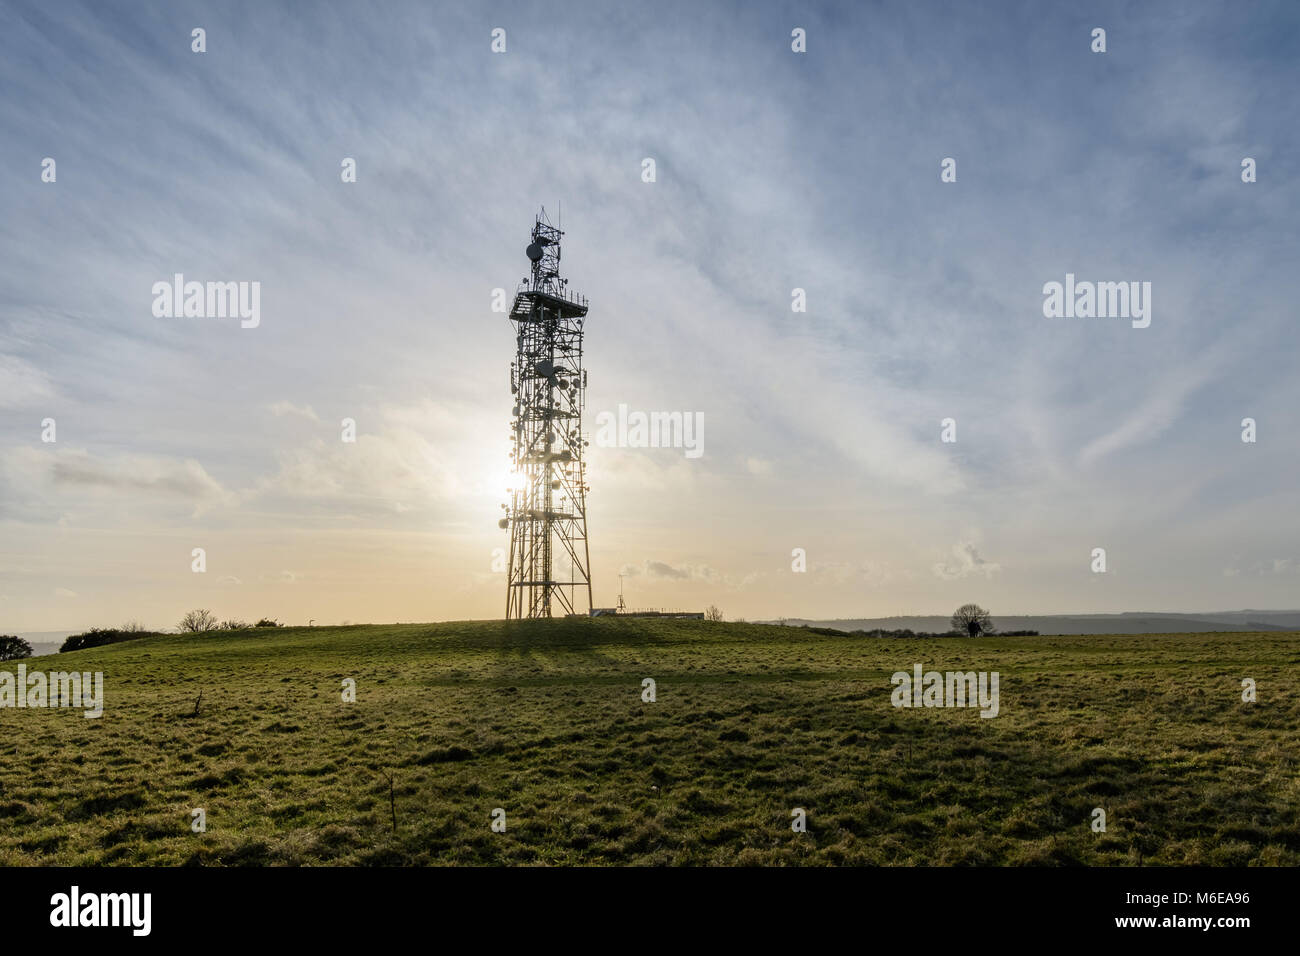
550, 563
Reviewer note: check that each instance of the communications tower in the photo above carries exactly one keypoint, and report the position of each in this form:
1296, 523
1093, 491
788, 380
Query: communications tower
550, 563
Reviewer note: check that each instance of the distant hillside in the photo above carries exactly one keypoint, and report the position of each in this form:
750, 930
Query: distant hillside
1130, 622
43, 642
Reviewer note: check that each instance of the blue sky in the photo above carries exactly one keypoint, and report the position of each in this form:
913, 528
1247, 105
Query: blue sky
775, 170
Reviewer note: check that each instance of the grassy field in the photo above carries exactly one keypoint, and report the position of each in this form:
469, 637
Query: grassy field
546, 721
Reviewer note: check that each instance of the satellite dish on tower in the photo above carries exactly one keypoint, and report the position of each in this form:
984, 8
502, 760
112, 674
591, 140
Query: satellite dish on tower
534, 251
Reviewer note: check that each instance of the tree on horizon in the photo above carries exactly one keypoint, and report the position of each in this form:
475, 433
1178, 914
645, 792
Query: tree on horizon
972, 620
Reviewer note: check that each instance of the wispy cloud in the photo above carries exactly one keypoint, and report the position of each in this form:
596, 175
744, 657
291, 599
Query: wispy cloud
776, 171
965, 562
661, 569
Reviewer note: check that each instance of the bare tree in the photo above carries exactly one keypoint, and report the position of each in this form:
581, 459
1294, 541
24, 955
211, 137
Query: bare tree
196, 622
713, 614
972, 620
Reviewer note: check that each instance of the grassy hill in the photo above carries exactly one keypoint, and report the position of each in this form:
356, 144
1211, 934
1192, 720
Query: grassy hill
546, 721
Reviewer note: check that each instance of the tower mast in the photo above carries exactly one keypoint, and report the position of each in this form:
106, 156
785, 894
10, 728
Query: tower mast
550, 562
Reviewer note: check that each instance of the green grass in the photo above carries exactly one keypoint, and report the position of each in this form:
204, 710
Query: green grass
546, 721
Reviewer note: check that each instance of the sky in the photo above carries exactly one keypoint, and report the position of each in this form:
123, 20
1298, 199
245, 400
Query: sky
775, 170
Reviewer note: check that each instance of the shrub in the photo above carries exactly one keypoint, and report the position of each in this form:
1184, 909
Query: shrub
907, 632
99, 636
13, 648
196, 622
